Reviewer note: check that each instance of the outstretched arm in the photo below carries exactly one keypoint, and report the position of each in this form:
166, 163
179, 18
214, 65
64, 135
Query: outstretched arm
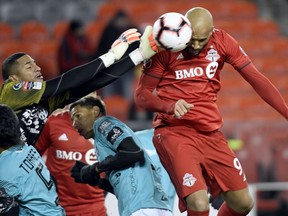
89, 71
104, 78
265, 89
72, 78
147, 48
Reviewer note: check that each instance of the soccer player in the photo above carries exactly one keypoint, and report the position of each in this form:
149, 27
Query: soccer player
24, 176
182, 88
34, 99
64, 146
131, 174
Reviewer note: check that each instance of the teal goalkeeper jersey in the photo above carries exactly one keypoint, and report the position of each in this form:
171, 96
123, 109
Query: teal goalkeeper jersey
145, 137
137, 187
24, 176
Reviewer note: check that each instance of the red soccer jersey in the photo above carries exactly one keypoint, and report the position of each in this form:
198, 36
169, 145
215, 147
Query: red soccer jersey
65, 146
195, 79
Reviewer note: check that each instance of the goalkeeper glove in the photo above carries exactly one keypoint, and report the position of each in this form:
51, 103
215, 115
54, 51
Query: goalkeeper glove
147, 47
120, 46
85, 174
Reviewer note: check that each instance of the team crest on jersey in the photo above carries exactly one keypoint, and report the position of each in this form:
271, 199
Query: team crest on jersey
189, 180
114, 134
103, 126
18, 86
212, 55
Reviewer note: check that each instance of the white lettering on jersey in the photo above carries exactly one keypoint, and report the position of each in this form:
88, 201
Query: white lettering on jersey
210, 72
182, 74
189, 180
68, 155
90, 156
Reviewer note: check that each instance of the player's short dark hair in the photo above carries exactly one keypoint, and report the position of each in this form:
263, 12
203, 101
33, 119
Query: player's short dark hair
8, 63
90, 102
9, 127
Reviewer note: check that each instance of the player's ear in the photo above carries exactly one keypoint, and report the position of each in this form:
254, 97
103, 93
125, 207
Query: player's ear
96, 111
13, 77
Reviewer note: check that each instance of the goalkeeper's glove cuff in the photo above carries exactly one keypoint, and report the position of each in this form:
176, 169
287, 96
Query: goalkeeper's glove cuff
108, 59
114, 54
137, 57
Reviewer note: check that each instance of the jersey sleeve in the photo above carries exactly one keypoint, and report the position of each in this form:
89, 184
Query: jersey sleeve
23, 94
145, 96
111, 131
234, 53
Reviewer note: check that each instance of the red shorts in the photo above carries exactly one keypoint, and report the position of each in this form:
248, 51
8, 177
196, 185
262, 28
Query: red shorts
196, 160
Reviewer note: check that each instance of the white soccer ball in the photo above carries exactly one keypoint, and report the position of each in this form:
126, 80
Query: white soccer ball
172, 31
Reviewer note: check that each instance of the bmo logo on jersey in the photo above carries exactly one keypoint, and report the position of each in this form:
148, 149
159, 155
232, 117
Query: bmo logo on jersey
210, 72
89, 156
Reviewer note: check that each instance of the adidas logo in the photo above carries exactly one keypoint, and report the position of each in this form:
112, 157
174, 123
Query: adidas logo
180, 56
63, 137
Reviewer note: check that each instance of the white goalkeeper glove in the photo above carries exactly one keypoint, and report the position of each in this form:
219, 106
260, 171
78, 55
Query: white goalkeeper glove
147, 47
120, 46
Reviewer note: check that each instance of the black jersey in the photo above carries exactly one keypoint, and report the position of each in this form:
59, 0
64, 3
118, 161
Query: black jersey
32, 111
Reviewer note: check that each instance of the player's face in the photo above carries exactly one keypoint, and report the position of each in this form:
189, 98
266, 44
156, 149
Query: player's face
198, 42
27, 70
83, 119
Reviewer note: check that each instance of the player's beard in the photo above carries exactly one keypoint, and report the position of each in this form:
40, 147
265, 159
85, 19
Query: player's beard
192, 51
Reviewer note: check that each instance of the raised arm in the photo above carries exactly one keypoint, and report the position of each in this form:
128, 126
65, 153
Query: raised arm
89, 79
265, 89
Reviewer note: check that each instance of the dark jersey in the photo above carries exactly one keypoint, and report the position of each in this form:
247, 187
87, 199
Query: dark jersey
33, 111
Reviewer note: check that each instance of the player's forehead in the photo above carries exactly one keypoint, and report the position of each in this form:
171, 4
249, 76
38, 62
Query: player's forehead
25, 60
78, 110
200, 36
199, 33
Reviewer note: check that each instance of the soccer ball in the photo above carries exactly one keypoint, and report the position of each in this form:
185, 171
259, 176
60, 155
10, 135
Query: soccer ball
172, 31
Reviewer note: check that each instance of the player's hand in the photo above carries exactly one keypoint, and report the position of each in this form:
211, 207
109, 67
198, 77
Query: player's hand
86, 174
147, 47
181, 108
120, 45
129, 36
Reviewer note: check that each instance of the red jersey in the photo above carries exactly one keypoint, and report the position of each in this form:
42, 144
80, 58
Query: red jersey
65, 146
196, 79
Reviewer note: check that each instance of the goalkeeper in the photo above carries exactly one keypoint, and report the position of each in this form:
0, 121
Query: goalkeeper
34, 99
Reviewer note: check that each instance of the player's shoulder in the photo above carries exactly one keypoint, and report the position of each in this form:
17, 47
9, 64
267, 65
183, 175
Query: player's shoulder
220, 35
60, 113
104, 123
